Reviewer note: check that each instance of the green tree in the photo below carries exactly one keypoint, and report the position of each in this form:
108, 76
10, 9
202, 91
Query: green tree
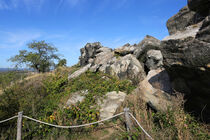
61, 63
41, 56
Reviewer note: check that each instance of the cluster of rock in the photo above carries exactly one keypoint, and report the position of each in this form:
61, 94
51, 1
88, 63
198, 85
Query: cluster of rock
180, 61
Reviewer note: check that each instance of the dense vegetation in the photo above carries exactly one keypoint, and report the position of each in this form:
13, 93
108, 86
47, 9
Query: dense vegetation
7, 78
44, 97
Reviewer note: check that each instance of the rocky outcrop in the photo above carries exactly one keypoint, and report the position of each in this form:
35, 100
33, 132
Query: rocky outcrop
187, 57
204, 32
88, 53
151, 90
145, 45
110, 103
184, 18
126, 49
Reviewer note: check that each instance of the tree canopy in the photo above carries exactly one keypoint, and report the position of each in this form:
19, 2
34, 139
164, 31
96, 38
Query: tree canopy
41, 56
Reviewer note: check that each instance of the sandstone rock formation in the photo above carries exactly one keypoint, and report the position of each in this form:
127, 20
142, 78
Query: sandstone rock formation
187, 57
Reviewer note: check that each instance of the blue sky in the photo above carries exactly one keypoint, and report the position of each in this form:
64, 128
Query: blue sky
70, 24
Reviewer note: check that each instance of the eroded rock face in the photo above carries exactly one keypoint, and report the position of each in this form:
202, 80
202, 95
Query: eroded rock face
126, 49
151, 90
185, 17
145, 45
127, 67
76, 97
110, 103
200, 6
88, 53
154, 59
187, 57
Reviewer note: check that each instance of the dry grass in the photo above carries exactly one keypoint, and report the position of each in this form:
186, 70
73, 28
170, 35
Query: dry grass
175, 126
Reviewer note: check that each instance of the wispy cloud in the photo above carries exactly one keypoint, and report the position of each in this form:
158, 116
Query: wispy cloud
17, 39
27, 4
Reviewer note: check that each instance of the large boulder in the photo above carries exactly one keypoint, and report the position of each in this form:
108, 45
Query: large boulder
200, 6
127, 67
79, 72
154, 59
110, 103
151, 90
185, 17
148, 43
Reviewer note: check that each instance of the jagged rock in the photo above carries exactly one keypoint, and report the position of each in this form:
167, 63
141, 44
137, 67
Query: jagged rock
190, 31
79, 72
146, 44
126, 49
159, 79
154, 97
76, 97
185, 17
127, 67
154, 59
110, 103
89, 52
204, 32
187, 59
200, 6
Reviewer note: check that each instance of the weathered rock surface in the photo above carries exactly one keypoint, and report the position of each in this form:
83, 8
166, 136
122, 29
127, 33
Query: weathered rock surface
200, 6
88, 53
204, 32
184, 18
146, 44
76, 97
127, 67
155, 97
126, 49
110, 103
154, 59
79, 72
187, 57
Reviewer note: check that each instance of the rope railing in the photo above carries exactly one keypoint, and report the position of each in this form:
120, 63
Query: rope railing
126, 113
8, 119
141, 126
76, 126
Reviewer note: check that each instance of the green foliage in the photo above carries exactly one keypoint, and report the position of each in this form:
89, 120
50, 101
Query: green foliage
7, 78
61, 63
41, 57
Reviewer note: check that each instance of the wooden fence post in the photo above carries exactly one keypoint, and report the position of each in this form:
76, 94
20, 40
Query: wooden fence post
127, 120
19, 125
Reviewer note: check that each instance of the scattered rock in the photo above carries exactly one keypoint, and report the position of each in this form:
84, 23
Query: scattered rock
110, 103
76, 97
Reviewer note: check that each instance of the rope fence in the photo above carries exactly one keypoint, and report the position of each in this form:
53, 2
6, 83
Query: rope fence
126, 113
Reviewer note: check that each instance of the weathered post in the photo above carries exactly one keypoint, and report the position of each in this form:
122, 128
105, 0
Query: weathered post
19, 125
127, 119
